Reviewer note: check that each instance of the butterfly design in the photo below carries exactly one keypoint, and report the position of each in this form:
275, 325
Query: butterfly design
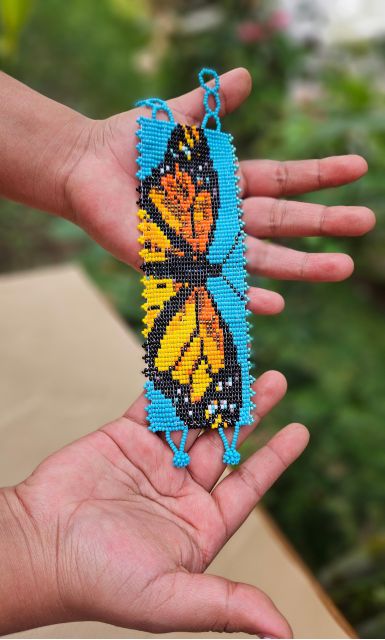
190, 353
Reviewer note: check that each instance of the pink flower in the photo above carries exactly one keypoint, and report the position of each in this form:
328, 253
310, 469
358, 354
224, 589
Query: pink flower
250, 31
279, 21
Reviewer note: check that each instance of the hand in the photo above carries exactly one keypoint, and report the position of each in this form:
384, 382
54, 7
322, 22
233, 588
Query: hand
111, 531
101, 197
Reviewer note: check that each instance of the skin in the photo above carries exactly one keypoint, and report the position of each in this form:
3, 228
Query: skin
106, 528
116, 533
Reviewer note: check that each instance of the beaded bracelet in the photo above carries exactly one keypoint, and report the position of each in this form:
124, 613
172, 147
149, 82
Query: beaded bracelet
196, 331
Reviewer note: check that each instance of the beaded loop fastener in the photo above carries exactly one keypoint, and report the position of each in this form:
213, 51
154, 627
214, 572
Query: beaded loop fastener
210, 91
196, 349
156, 104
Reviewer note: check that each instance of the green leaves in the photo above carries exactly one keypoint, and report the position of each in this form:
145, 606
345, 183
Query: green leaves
13, 16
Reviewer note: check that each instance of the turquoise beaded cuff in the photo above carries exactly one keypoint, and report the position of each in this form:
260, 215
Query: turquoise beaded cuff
196, 331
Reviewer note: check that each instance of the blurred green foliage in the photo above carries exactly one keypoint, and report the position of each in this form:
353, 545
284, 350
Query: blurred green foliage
99, 57
13, 17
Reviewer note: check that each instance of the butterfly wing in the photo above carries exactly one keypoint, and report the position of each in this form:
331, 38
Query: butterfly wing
192, 359
190, 352
181, 195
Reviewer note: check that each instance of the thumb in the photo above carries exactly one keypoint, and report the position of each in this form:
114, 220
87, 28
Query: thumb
198, 602
235, 86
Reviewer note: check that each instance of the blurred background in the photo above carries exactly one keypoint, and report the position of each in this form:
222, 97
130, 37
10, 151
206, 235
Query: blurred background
318, 70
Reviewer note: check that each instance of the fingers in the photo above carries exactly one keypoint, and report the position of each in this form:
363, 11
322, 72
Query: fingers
273, 261
139, 446
206, 464
202, 602
157, 453
276, 179
235, 86
240, 491
265, 302
269, 217
137, 411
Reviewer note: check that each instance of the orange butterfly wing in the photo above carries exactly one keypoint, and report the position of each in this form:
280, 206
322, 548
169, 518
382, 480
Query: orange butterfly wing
190, 352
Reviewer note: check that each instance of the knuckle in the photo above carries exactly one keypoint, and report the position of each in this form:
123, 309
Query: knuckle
278, 213
282, 176
319, 173
226, 623
250, 481
277, 456
303, 265
322, 218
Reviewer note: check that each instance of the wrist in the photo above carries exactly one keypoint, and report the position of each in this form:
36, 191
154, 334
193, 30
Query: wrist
28, 587
41, 142
67, 144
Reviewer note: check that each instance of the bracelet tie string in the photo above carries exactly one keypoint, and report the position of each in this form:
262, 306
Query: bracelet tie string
213, 91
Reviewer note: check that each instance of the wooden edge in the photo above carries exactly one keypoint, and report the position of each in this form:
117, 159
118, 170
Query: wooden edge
321, 593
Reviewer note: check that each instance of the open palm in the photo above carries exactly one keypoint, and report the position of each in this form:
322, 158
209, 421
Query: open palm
129, 535
101, 196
